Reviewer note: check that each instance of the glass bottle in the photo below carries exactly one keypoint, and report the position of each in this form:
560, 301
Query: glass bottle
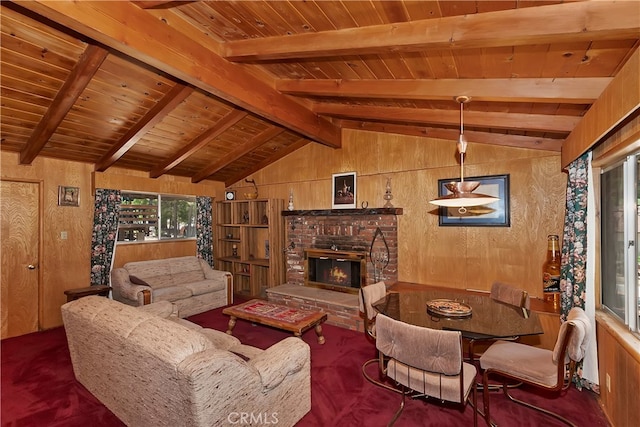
551, 271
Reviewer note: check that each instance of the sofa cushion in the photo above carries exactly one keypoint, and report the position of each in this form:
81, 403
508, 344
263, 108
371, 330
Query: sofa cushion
146, 269
160, 282
205, 286
172, 293
155, 273
187, 277
186, 270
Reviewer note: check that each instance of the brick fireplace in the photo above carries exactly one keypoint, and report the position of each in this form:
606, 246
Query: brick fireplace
340, 230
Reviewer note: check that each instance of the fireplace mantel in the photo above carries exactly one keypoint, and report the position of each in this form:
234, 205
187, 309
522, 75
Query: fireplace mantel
344, 212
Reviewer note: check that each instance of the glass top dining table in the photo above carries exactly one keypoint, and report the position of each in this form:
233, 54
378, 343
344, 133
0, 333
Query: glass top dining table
488, 318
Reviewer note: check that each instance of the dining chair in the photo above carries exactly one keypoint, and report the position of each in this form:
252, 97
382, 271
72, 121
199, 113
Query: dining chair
425, 362
537, 367
507, 294
368, 295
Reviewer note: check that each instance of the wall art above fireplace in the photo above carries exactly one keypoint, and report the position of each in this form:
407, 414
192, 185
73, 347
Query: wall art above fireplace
344, 190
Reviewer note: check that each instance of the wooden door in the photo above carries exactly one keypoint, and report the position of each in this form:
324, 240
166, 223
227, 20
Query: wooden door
19, 298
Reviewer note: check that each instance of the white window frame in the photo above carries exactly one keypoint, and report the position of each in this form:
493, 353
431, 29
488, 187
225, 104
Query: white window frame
630, 236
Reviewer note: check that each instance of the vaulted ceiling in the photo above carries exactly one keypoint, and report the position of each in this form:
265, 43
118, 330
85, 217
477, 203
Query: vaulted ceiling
216, 90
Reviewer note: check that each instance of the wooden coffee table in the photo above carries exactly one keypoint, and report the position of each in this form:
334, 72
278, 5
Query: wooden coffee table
278, 316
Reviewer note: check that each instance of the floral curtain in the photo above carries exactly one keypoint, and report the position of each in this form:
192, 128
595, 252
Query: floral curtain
573, 273
204, 229
105, 231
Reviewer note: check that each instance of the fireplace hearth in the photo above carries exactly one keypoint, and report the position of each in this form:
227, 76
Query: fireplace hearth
335, 270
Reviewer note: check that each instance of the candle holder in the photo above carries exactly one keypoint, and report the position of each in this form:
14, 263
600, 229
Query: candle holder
290, 206
387, 195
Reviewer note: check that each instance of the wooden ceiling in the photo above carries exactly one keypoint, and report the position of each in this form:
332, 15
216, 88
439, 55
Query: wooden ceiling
216, 90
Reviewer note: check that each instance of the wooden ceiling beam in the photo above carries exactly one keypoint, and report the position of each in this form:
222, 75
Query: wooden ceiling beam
150, 4
137, 33
484, 119
203, 139
175, 96
237, 153
558, 91
80, 76
269, 160
560, 23
519, 141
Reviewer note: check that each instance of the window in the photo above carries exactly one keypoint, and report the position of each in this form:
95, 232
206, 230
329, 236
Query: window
156, 217
620, 198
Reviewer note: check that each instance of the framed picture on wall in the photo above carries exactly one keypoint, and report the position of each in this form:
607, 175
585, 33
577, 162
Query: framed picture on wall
68, 196
343, 190
494, 214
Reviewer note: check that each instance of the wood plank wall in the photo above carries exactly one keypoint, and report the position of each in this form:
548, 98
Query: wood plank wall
65, 264
460, 257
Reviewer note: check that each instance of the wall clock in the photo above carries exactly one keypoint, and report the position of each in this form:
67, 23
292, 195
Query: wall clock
230, 195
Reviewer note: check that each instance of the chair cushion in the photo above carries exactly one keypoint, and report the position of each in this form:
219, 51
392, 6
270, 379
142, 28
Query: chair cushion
429, 349
510, 295
444, 387
370, 294
530, 363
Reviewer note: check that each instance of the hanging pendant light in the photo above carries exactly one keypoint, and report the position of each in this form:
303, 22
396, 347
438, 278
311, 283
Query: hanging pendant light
462, 195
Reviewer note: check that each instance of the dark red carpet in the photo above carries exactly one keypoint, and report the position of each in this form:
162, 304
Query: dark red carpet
38, 387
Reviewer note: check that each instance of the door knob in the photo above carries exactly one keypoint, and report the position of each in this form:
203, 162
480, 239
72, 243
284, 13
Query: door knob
31, 267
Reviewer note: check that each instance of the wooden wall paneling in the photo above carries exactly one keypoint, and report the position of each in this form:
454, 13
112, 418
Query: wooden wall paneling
123, 179
621, 361
429, 253
622, 143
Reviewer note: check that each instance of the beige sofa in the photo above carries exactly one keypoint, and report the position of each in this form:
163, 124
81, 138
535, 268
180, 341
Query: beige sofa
189, 282
151, 368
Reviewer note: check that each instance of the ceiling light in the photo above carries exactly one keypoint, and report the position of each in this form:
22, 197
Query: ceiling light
462, 194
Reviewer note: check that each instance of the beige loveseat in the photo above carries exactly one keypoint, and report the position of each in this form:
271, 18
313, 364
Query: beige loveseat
151, 368
188, 281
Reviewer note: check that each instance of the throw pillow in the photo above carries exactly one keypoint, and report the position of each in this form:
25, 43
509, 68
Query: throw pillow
137, 281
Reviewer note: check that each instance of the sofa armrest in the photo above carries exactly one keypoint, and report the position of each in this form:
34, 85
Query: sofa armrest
124, 289
212, 274
281, 359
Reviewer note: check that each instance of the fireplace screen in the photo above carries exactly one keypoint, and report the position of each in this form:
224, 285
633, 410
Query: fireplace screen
339, 271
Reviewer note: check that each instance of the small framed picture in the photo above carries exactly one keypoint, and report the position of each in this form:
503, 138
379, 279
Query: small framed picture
344, 191
68, 196
495, 214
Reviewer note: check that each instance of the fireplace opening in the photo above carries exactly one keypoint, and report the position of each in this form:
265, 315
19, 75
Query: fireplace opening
335, 270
